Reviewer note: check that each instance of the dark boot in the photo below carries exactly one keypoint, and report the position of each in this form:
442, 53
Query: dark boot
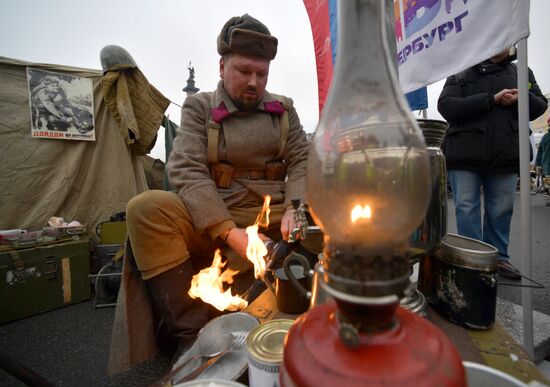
181, 316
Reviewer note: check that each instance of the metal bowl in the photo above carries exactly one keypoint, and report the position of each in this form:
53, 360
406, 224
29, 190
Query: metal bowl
210, 383
479, 375
233, 364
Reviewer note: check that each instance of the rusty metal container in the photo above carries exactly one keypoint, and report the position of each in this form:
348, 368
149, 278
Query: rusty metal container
464, 281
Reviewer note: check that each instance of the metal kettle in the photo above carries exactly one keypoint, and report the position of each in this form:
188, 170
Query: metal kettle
433, 228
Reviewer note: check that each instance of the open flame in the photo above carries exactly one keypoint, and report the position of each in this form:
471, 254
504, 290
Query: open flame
359, 212
208, 286
208, 283
256, 250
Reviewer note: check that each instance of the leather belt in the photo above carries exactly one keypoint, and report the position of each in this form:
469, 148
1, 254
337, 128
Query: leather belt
250, 174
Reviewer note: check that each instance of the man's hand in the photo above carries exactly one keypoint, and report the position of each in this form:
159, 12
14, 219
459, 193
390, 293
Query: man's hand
287, 223
237, 239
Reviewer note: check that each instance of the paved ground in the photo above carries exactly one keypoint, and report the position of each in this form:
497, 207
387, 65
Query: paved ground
69, 346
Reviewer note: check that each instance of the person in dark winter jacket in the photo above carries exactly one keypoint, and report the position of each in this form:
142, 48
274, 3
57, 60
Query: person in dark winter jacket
481, 147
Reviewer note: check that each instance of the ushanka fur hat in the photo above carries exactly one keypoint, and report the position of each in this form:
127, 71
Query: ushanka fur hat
248, 36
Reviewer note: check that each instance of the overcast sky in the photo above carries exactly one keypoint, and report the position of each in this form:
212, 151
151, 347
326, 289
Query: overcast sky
164, 36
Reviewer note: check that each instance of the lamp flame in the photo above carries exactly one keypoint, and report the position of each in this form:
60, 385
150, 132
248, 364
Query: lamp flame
359, 212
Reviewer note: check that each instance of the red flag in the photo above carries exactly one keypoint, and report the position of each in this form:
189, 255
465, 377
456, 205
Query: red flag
319, 18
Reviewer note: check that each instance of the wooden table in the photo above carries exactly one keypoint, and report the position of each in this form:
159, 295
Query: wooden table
493, 347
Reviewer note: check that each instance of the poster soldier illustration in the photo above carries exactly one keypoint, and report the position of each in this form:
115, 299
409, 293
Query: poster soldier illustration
61, 105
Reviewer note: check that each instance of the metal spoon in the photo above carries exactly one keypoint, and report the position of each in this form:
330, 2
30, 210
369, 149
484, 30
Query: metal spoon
238, 341
212, 347
208, 346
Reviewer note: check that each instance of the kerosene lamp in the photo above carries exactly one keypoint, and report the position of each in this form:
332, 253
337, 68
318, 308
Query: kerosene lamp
368, 187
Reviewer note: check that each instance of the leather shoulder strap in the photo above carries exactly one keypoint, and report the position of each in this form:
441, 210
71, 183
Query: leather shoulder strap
217, 115
284, 124
212, 141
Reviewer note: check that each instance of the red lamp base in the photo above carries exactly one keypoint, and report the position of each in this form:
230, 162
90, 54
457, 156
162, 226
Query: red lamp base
415, 352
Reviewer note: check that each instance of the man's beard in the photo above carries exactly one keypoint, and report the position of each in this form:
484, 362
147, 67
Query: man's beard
246, 105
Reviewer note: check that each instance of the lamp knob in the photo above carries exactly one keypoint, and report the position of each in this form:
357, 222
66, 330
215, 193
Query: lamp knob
349, 335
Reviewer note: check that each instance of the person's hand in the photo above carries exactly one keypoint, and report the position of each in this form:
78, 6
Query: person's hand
506, 97
498, 96
237, 239
509, 98
287, 223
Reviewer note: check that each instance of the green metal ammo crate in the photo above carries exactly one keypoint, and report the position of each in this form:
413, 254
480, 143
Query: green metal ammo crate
42, 278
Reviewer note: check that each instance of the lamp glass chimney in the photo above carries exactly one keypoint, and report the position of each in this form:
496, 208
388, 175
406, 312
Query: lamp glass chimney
368, 176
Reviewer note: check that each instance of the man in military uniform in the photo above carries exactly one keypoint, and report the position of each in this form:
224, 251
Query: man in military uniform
234, 146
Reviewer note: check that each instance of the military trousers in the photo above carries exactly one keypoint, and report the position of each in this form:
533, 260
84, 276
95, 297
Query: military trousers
163, 236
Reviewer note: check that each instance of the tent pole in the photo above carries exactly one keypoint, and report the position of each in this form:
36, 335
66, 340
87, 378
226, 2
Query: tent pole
525, 189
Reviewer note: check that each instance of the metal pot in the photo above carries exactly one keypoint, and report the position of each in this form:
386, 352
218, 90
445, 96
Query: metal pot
434, 226
463, 281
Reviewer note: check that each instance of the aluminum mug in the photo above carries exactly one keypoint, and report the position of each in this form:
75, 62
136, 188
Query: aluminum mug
289, 298
318, 294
